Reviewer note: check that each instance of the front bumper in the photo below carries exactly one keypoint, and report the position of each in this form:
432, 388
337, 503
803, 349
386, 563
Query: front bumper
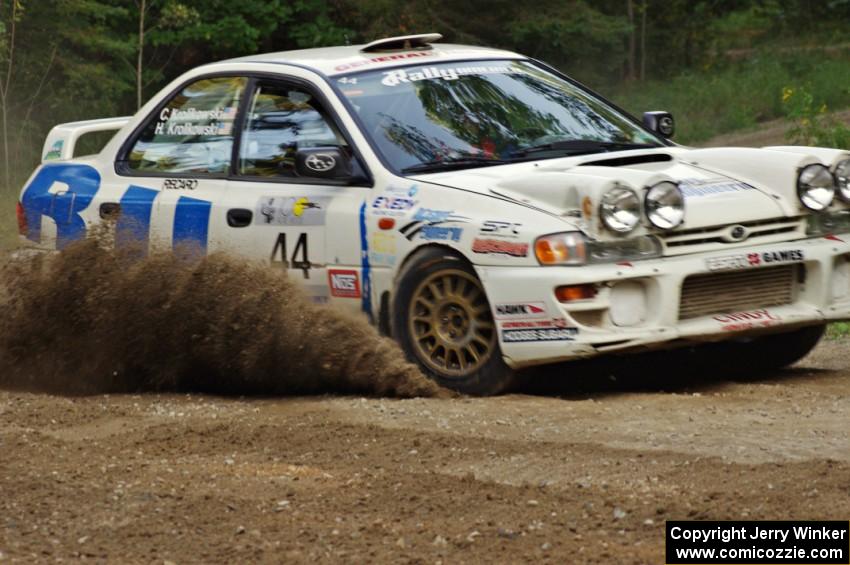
640, 306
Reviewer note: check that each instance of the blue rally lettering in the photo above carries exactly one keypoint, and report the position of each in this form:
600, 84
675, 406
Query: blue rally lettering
191, 223
60, 192
134, 222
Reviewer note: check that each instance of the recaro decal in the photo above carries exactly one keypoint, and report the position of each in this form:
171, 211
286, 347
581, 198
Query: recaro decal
60, 192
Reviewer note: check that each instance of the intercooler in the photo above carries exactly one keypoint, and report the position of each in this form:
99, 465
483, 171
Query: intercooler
719, 293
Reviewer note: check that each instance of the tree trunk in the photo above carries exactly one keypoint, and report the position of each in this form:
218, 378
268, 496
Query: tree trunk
4, 98
141, 49
643, 41
632, 39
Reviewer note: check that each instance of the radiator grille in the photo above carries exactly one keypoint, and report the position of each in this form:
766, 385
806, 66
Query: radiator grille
696, 240
722, 293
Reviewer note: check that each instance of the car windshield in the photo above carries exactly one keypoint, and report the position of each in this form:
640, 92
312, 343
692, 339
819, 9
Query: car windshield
479, 113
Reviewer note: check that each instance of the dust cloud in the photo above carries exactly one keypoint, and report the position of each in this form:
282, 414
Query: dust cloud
95, 320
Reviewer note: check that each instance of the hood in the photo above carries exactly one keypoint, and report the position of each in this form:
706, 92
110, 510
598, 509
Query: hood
721, 185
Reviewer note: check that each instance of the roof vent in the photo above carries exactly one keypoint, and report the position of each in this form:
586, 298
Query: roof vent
403, 43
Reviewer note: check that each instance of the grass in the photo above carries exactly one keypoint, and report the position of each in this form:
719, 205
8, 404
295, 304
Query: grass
739, 96
838, 330
8, 221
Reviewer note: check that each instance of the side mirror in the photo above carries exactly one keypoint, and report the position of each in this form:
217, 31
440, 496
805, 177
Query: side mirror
328, 163
660, 122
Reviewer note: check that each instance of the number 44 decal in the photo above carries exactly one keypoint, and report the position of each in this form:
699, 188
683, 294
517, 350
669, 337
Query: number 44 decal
279, 254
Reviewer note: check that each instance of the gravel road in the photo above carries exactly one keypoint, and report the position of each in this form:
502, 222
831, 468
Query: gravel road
581, 474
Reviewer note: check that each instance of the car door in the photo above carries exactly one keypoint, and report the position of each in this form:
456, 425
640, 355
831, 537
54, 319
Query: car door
175, 167
309, 227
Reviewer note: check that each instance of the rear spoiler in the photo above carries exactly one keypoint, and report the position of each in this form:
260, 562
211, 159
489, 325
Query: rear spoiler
60, 142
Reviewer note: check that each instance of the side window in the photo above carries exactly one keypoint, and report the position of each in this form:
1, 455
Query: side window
193, 133
281, 120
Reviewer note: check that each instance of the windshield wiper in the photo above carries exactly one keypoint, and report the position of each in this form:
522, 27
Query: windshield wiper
579, 146
449, 164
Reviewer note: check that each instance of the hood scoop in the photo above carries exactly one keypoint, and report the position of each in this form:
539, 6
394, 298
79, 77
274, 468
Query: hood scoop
629, 160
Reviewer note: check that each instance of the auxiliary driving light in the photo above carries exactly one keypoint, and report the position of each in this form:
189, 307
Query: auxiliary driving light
620, 209
842, 177
816, 187
665, 205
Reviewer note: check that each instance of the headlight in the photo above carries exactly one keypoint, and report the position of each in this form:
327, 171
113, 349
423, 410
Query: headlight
620, 210
842, 177
665, 205
816, 187
572, 248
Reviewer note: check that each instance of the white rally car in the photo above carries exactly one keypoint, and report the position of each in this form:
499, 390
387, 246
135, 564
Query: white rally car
485, 210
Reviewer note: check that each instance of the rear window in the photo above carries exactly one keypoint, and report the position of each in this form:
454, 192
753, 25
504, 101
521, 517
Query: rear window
193, 133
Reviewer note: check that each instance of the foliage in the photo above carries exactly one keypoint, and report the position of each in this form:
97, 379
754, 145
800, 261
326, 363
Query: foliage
718, 64
739, 95
811, 122
838, 330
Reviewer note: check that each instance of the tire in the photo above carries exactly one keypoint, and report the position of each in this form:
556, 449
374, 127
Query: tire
765, 353
443, 322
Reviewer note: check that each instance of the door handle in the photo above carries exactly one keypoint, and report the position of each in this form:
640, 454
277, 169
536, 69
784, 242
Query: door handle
239, 217
109, 210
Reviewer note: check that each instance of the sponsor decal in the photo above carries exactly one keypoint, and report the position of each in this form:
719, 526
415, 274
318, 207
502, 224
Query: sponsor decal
382, 248
400, 76
693, 188
495, 228
499, 247
344, 283
534, 324
316, 293
440, 233
291, 211
520, 310
372, 61
539, 334
747, 320
426, 223
432, 216
392, 205
747, 260
785, 256
55, 150
410, 191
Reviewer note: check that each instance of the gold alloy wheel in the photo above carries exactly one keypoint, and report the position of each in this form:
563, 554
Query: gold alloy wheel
450, 323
